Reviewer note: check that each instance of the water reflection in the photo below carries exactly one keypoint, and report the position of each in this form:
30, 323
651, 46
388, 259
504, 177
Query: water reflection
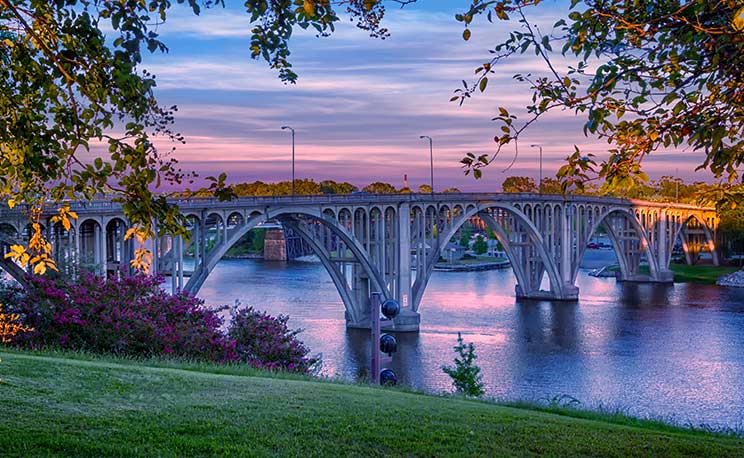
654, 350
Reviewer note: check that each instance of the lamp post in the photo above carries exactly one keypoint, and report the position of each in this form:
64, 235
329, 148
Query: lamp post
293, 157
431, 159
539, 146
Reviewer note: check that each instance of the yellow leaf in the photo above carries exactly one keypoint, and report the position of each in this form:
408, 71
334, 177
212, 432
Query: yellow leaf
72, 215
11, 203
40, 268
309, 6
738, 23
129, 233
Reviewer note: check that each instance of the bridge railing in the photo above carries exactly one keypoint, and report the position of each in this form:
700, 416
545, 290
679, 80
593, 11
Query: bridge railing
362, 199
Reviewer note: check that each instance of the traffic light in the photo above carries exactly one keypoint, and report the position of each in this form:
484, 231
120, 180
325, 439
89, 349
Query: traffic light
384, 343
388, 344
390, 308
388, 377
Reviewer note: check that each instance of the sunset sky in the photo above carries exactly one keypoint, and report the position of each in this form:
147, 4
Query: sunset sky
360, 104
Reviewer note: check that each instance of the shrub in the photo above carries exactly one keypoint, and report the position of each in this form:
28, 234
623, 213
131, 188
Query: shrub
264, 341
465, 374
480, 246
130, 315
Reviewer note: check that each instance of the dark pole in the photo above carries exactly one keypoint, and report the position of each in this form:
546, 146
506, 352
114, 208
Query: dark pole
375, 302
293, 157
431, 160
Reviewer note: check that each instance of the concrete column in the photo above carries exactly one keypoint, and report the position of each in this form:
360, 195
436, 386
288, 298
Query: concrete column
76, 255
104, 248
664, 274
97, 247
409, 318
174, 267
566, 265
203, 241
224, 229
154, 247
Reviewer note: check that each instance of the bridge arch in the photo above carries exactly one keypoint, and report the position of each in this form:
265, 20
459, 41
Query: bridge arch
628, 256
518, 257
343, 228
681, 233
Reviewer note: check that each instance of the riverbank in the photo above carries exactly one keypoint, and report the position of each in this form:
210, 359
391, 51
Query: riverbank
701, 274
698, 274
473, 265
77, 405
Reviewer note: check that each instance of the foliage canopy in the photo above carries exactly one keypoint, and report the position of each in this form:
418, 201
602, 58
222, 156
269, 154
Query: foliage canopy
647, 76
78, 115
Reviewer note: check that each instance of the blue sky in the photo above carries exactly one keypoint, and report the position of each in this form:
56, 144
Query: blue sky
360, 104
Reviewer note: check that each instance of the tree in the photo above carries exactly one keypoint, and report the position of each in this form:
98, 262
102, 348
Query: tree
379, 187
519, 184
451, 190
668, 75
68, 86
551, 186
465, 234
332, 187
465, 373
425, 189
732, 228
480, 246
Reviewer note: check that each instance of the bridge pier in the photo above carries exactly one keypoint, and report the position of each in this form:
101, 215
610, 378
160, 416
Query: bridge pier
570, 293
275, 247
663, 276
406, 321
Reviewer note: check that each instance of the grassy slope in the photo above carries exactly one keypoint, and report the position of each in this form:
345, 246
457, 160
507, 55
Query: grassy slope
699, 273
53, 405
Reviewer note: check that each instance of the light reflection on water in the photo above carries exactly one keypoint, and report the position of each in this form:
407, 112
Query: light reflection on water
656, 350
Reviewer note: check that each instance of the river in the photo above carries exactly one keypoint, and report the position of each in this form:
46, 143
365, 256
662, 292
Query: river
674, 352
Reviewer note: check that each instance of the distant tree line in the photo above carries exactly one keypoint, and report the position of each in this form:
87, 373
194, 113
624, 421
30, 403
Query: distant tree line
308, 186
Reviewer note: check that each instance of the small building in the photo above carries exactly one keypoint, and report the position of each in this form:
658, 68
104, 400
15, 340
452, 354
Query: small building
453, 252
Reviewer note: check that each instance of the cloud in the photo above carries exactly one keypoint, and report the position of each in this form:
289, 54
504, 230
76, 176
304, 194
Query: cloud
360, 104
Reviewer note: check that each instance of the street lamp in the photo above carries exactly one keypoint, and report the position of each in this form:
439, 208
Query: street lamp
431, 159
539, 146
293, 155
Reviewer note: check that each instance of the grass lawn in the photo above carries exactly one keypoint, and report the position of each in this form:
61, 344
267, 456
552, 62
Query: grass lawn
699, 273
66, 405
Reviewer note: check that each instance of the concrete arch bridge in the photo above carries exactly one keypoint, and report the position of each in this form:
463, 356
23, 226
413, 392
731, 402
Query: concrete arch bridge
390, 243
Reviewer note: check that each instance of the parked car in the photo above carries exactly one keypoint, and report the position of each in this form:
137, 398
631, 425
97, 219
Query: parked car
593, 246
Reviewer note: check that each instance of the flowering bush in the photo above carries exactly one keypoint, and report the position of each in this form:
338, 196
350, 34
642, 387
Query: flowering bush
130, 315
264, 341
